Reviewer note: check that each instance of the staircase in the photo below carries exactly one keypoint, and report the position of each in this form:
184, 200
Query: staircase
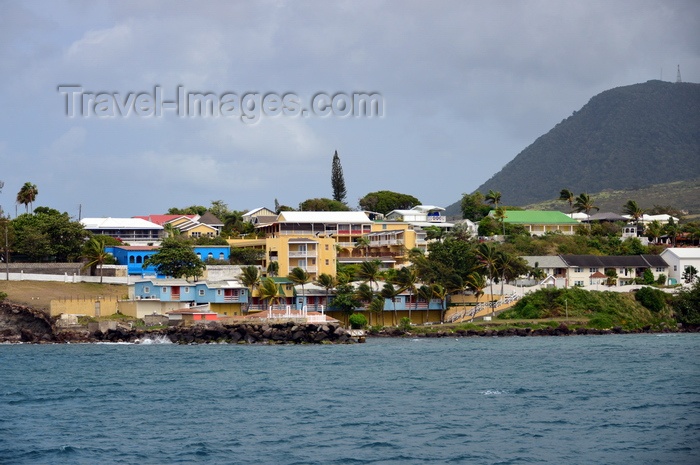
482, 309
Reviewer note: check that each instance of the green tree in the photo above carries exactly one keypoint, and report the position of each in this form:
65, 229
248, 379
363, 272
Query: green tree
357, 321
568, 196
327, 282
689, 274
686, 305
250, 277
176, 259
191, 210
337, 180
48, 235
300, 277
386, 201
476, 283
269, 290
440, 293
376, 307
364, 293
390, 292
488, 259
27, 195
369, 272
500, 215
362, 243
323, 205
473, 206
219, 209
632, 209
654, 231
345, 300
273, 268
94, 252
406, 279
493, 197
584, 203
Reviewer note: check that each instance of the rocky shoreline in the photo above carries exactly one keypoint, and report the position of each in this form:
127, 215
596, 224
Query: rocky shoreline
20, 324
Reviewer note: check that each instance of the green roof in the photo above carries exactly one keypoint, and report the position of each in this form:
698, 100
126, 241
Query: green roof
536, 217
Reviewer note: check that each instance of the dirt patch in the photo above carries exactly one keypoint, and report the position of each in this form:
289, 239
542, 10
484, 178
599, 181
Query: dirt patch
38, 294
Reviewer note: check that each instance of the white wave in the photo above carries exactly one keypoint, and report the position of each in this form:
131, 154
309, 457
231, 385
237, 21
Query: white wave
154, 340
493, 392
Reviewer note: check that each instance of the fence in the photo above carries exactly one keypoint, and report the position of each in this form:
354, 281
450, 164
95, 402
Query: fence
66, 278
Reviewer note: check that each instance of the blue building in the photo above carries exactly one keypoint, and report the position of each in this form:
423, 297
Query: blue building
223, 297
133, 257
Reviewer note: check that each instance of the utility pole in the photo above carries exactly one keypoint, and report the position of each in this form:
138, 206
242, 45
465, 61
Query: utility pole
678, 75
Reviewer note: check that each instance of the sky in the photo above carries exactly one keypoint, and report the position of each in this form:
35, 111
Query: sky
464, 86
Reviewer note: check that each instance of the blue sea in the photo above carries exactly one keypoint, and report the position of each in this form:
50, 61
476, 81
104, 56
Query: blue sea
624, 399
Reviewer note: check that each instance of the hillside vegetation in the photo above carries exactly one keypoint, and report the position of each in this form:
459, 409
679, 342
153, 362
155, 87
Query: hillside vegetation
624, 138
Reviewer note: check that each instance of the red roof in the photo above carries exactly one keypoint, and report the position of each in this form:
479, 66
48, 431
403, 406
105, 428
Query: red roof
598, 274
162, 219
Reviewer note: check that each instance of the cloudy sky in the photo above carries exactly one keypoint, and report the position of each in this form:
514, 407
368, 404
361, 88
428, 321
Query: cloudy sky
466, 85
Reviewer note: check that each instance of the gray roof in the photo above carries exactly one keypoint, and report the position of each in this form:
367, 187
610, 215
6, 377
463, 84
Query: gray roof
545, 261
618, 261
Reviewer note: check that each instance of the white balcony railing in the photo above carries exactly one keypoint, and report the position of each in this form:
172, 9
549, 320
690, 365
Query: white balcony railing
436, 219
302, 254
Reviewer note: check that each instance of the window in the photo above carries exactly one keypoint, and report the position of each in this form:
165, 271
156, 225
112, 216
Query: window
196, 234
210, 256
593, 270
578, 269
327, 262
131, 259
578, 283
139, 259
326, 246
675, 268
165, 289
659, 269
146, 290
221, 256
383, 226
201, 292
187, 290
218, 292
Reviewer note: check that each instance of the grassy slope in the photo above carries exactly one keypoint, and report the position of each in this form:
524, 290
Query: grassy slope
38, 294
684, 195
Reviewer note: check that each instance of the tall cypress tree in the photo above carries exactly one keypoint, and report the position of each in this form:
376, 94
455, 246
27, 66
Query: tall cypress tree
337, 180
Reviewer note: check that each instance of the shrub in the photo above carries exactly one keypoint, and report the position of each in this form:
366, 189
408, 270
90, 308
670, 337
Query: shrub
651, 298
600, 321
405, 324
648, 276
3, 296
661, 280
357, 321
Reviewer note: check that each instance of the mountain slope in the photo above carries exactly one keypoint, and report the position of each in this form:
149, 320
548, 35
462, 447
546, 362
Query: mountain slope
624, 138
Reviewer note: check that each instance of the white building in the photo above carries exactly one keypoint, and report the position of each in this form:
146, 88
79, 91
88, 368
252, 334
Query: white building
678, 258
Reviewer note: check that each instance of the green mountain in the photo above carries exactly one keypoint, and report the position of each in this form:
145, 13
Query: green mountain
625, 138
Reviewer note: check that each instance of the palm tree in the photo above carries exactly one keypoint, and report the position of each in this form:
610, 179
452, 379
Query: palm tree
476, 282
390, 292
250, 277
425, 292
362, 243
27, 195
273, 268
299, 276
377, 306
568, 196
369, 271
406, 280
493, 197
364, 294
269, 290
654, 230
488, 259
440, 292
632, 209
95, 253
584, 203
500, 215
327, 282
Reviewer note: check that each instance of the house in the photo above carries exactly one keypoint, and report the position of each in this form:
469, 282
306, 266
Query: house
586, 270
134, 231
537, 222
226, 298
251, 215
192, 315
190, 226
591, 270
421, 216
286, 297
679, 259
135, 256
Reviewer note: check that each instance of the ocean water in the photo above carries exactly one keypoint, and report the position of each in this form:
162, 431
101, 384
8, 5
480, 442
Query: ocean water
562, 400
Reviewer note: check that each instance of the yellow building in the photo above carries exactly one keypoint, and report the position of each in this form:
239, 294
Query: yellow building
308, 240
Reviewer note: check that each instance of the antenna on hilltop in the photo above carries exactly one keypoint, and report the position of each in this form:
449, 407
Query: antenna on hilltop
678, 76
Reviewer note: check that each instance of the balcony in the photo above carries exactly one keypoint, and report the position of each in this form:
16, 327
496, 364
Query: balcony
436, 219
302, 254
